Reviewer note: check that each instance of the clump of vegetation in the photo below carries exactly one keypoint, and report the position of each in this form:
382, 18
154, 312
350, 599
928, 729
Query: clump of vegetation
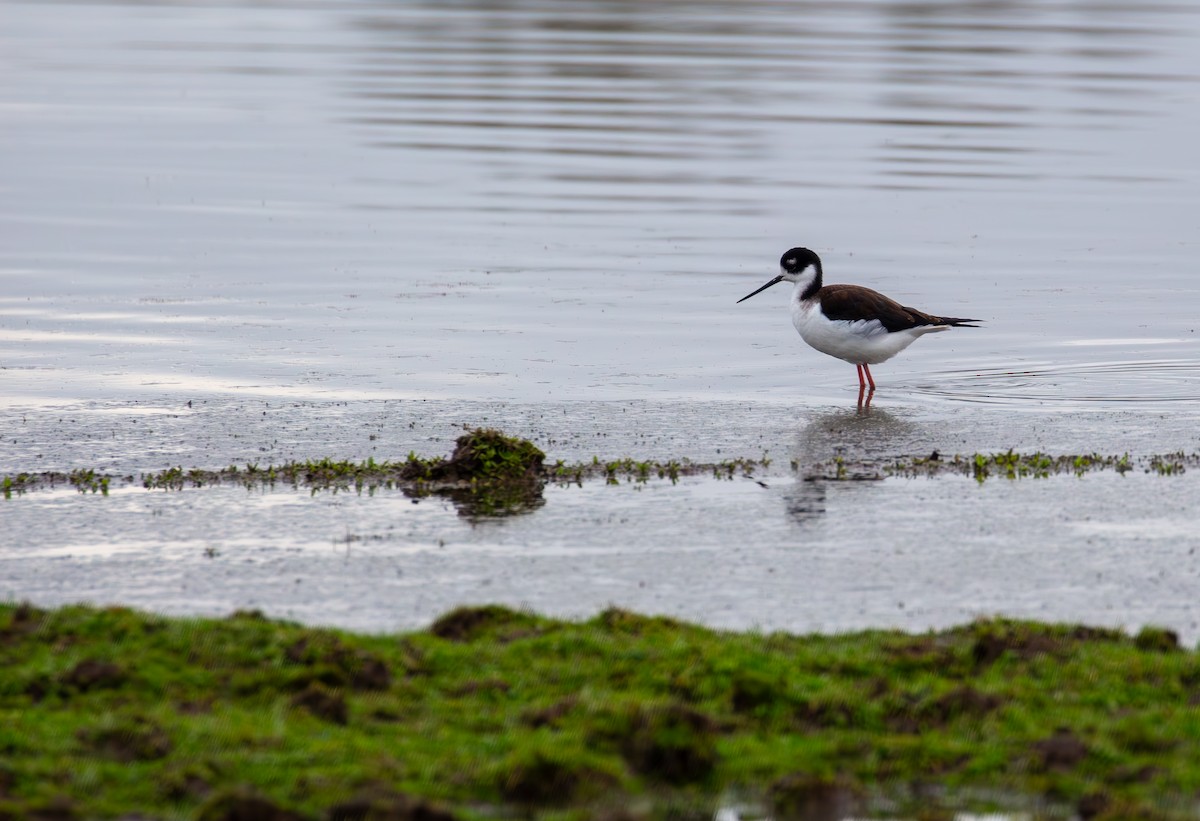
109, 712
488, 474
498, 623
1157, 638
487, 455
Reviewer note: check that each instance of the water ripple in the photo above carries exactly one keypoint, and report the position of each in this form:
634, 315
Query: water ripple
1120, 383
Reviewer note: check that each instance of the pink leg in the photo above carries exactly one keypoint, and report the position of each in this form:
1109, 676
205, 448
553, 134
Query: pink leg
870, 378
861, 382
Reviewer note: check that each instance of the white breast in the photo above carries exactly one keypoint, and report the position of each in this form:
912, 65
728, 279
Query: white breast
859, 342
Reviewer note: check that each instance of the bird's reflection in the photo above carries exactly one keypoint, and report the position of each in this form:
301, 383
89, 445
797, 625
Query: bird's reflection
805, 501
482, 501
851, 434
864, 398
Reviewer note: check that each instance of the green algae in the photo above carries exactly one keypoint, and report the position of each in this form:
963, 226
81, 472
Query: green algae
498, 485
111, 712
999, 465
492, 474
488, 474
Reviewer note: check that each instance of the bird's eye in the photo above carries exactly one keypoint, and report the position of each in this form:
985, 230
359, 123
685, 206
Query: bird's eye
791, 261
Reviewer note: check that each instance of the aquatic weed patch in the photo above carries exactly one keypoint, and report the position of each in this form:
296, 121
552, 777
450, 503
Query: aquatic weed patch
85, 481
1000, 465
108, 712
630, 470
489, 473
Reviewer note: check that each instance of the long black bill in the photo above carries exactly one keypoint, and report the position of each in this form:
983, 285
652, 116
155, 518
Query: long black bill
775, 281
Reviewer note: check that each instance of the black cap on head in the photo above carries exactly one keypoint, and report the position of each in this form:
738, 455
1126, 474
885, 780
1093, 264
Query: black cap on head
797, 259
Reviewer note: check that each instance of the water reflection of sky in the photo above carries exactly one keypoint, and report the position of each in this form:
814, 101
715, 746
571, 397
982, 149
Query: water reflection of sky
544, 199
940, 90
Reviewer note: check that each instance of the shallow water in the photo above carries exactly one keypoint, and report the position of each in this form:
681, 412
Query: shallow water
248, 233
776, 550
370, 200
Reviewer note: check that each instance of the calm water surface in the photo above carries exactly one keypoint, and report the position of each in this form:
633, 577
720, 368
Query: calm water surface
536, 199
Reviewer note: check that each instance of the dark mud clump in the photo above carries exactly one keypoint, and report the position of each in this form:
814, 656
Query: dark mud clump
627, 622
1158, 639
57, 809
192, 781
248, 615
990, 647
1024, 641
805, 797
1093, 805
127, 740
823, 714
323, 703
480, 687
87, 676
1060, 752
675, 744
936, 713
925, 654
751, 690
369, 672
328, 660
542, 777
244, 804
962, 702
92, 674
382, 804
551, 716
467, 624
24, 621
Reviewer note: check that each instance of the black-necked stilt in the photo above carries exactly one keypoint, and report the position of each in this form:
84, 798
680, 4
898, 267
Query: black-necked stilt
853, 323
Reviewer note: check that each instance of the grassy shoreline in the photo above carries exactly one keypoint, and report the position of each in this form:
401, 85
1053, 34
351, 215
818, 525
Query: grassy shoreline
492, 712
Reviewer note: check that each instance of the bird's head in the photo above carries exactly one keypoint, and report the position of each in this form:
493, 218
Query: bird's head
798, 264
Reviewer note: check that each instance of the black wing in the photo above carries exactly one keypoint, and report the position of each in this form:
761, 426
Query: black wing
853, 302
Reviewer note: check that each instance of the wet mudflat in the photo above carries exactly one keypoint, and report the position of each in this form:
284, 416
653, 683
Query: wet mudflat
780, 542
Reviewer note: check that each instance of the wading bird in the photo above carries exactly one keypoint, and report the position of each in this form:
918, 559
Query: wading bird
853, 323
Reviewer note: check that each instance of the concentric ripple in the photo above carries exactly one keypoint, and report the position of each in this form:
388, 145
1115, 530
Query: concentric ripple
1093, 384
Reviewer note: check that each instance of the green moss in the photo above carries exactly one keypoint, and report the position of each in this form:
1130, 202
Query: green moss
110, 711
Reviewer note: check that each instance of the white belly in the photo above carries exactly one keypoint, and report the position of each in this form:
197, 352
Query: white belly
859, 342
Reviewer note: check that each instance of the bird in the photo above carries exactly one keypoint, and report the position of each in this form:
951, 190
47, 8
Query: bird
850, 322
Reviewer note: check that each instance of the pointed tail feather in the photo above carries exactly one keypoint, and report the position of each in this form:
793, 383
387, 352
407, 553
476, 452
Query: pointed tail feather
957, 322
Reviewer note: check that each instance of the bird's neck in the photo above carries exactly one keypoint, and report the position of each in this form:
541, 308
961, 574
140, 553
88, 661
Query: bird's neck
808, 284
